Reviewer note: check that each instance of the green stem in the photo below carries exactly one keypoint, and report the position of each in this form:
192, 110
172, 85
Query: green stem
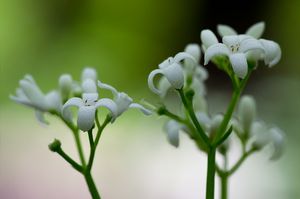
211, 169
235, 97
91, 185
224, 187
188, 106
79, 147
67, 158
240, 161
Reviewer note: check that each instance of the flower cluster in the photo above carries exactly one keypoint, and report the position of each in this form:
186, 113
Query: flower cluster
236, 55
83, 94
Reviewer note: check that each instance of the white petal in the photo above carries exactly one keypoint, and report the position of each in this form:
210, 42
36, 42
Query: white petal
261, 134
123, 101
89, 73
215, 50
247, 112
250, 44
110, 105
208, 38
34, 94
256, 30
164, 86
182, 56
194, 50
203, 119
231, 40
54, 101
166, 63
239, 64
89, 86
174, 74
86, 117
21, 98
108, 87
278, 142
272, 52
151, 81
225, 30
40, 117
172, 128
142, 108
75, 101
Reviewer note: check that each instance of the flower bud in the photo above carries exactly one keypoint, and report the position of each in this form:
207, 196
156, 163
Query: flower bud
65, 85
247, 112
89, 73
55, 145
194, 50
89, 86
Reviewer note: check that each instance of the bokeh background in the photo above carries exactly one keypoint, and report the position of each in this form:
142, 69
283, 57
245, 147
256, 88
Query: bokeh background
124, 41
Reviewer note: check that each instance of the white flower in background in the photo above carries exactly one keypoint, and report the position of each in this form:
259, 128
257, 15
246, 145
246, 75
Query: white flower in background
190, 65
122, 101
171, 69
235, 47
264, 136
89, 80
208, 38
29, 94
87, 108
256, 30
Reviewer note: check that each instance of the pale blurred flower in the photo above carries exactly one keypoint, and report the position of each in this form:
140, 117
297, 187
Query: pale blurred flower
256, 30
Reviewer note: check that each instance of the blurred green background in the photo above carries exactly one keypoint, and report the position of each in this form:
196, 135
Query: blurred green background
124, 41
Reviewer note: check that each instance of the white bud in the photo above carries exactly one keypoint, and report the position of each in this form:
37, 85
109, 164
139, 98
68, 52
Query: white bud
247, 112
89, 73
194, 50
89, 86
65, 85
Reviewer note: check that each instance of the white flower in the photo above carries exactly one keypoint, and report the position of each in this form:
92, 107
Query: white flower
256, 30
172, 70
87, 109
208, 38
122, 101
264, 136
235, 47
29, 94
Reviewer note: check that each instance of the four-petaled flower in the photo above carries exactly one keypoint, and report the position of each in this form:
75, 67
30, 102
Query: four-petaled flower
235, 47
87, 109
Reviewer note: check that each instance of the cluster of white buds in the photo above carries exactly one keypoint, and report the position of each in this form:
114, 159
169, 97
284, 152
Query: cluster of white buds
59, 101
250, 130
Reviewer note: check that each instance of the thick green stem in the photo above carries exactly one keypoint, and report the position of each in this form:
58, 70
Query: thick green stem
224, 187
91, 185
211, 170
235, 97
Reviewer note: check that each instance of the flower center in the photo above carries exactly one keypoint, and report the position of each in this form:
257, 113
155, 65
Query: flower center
235, 48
